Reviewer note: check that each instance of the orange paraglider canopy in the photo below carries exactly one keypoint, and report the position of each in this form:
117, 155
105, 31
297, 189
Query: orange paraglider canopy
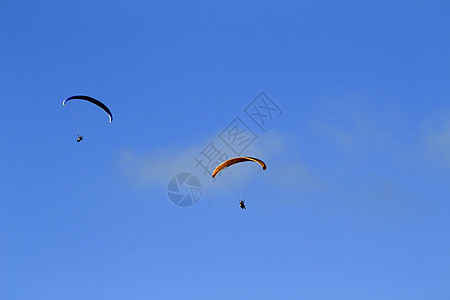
236, 160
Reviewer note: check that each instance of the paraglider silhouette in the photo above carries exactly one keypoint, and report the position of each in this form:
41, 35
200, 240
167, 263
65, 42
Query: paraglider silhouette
93, 101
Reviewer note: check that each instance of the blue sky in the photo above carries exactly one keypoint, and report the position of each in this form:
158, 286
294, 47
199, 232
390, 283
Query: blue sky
354, 203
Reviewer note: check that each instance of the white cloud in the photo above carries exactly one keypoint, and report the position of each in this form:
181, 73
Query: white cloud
363, 144
155, 167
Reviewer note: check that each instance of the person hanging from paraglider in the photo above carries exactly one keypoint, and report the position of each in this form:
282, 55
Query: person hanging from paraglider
93, 101
241, 204
232, 161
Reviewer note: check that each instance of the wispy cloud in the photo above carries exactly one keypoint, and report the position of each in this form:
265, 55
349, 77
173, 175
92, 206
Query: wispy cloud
362, 155
155, 167
348, 151
436, 139
357, 126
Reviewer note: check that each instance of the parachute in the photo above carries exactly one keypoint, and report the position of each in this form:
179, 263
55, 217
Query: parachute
236, 160
93, 101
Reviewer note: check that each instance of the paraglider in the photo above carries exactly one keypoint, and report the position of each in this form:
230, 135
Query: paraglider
93, 101
237, 160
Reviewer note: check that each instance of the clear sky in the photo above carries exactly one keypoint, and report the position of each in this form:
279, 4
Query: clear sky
354, 203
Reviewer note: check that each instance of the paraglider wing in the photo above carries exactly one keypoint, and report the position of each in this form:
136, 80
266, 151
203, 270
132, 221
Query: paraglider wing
93, 101
236, 160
